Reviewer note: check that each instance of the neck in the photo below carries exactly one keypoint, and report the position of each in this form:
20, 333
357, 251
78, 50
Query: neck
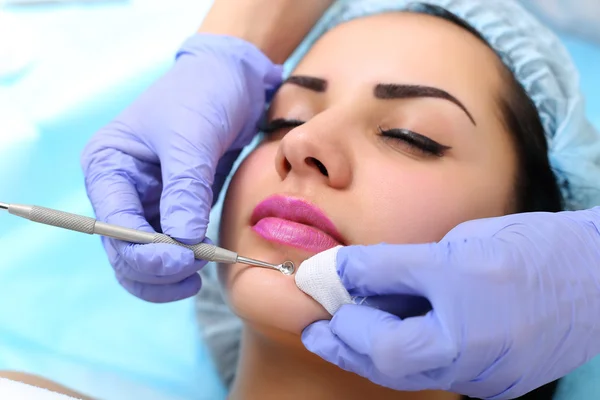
282, 368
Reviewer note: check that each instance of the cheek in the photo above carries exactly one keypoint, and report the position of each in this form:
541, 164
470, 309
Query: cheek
252, 179
421, 203
269, 299
261, 297
407, 206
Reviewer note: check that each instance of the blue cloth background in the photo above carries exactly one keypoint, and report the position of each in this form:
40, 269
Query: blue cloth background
62, 314
67, 70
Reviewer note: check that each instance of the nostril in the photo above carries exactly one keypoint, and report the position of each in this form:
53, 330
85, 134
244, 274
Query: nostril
321, 168
318, 164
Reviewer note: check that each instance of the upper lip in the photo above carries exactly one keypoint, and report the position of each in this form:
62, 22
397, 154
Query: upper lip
297, 210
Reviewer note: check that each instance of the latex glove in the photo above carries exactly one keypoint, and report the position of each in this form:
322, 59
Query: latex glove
515, 304
153, 168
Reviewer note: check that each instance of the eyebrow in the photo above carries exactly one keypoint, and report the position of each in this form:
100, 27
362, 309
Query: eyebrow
308, 82
384, 91
399, 91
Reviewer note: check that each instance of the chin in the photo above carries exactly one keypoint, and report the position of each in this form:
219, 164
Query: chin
267, 298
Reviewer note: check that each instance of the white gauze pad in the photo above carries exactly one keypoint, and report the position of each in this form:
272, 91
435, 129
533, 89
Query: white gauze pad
318, 278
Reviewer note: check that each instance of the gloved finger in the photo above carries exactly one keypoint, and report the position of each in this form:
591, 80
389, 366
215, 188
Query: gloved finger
319, 339
389, 269
273, 80
188, 287
401, 305
152, 263
114, 195
146, 263
161, 263
482, 228
396, 347
222, 172
154, 220
113, 182
155, 263
187, 193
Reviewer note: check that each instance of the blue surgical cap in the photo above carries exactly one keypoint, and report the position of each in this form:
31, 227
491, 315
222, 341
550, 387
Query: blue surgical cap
539, 62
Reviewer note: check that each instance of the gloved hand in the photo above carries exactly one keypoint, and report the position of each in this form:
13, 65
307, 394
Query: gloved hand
153, 168
514, 300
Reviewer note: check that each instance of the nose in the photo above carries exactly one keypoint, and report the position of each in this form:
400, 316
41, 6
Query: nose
312, 152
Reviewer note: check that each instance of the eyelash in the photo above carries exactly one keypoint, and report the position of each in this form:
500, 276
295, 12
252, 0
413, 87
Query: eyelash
416, 141
278, 124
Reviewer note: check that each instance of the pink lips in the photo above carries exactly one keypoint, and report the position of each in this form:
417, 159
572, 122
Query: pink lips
295, 223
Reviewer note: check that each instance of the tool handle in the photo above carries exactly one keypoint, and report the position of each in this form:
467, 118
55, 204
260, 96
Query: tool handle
202, 251
56, 218
80, 223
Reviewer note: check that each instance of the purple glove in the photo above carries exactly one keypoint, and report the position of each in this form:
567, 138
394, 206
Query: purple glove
158, 165
514, 301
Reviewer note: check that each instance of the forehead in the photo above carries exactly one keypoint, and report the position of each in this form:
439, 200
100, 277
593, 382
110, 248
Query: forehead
404, 47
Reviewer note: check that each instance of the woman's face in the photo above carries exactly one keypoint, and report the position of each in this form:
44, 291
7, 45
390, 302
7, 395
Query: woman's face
401, 141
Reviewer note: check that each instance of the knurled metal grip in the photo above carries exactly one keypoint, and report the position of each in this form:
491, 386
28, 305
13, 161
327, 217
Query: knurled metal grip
62, 219
80, 223
202, 251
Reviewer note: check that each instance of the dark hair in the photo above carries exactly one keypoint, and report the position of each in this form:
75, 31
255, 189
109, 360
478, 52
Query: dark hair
536, 186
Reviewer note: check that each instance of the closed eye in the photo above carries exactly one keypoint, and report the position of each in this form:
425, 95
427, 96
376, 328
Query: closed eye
277, 124
413, 142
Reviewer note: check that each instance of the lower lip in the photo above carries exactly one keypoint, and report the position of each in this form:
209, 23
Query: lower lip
294, 234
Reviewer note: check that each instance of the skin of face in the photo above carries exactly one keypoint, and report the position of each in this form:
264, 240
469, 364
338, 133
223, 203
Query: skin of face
377, 189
